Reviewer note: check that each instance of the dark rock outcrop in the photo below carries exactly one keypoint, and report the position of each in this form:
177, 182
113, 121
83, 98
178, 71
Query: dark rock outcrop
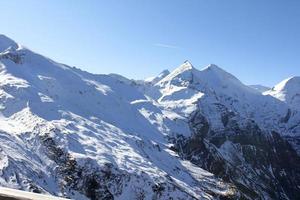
261, 165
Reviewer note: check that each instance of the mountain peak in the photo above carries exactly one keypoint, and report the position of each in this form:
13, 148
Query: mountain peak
157, 78
288, 91
186, 66
288, 84
187, 62
166, 71
6, 42
215, 68
215, 72
184, 72
211, 74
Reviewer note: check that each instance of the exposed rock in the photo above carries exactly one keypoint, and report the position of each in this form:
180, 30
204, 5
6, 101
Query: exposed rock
261, 165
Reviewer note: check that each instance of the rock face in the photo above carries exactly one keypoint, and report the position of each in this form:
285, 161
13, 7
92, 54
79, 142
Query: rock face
259, 164
185, 134
237, 134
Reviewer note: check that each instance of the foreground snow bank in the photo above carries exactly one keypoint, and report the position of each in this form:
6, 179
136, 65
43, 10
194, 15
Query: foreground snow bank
7, 193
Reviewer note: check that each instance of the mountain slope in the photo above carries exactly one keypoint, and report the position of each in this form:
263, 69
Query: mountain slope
155, 79
75, 134
185, 134
287, 91
234, 127
213, 85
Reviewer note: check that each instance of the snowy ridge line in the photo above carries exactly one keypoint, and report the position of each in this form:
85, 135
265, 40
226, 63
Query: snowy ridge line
185, 134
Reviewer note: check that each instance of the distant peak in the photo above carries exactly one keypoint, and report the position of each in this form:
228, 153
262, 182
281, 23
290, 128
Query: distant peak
213, 67
164, 73
6, 43
156, 79
288, 83
187, 65
4, 37
184, 71
216, 72
294, 78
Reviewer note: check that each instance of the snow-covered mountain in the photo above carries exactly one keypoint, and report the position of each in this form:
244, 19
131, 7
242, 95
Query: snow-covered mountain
287, 91
237, 133
185, 134
155, 79
186, 87
75, 134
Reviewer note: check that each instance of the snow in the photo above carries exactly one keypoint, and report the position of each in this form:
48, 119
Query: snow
291, 84
287, 91
186, 89
6, 192
153, 80
94, 118
110, 119
6, 43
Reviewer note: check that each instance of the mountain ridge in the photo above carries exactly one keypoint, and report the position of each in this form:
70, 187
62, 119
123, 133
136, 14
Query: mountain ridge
6, 42
186, 134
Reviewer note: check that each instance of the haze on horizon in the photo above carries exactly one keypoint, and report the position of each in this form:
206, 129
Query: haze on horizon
256, 41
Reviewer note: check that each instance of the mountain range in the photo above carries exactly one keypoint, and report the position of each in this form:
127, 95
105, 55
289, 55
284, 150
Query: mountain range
185, 134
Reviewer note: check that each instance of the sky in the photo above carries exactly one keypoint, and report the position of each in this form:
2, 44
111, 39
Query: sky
258, 41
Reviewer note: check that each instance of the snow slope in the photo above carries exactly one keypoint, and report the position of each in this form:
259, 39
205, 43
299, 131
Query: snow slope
74, 134
6, 43
186, 89
155, 79
287, 91
18, 194
70, 133
236, 131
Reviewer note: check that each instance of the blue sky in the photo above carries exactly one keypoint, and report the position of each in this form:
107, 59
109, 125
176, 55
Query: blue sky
257, 41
